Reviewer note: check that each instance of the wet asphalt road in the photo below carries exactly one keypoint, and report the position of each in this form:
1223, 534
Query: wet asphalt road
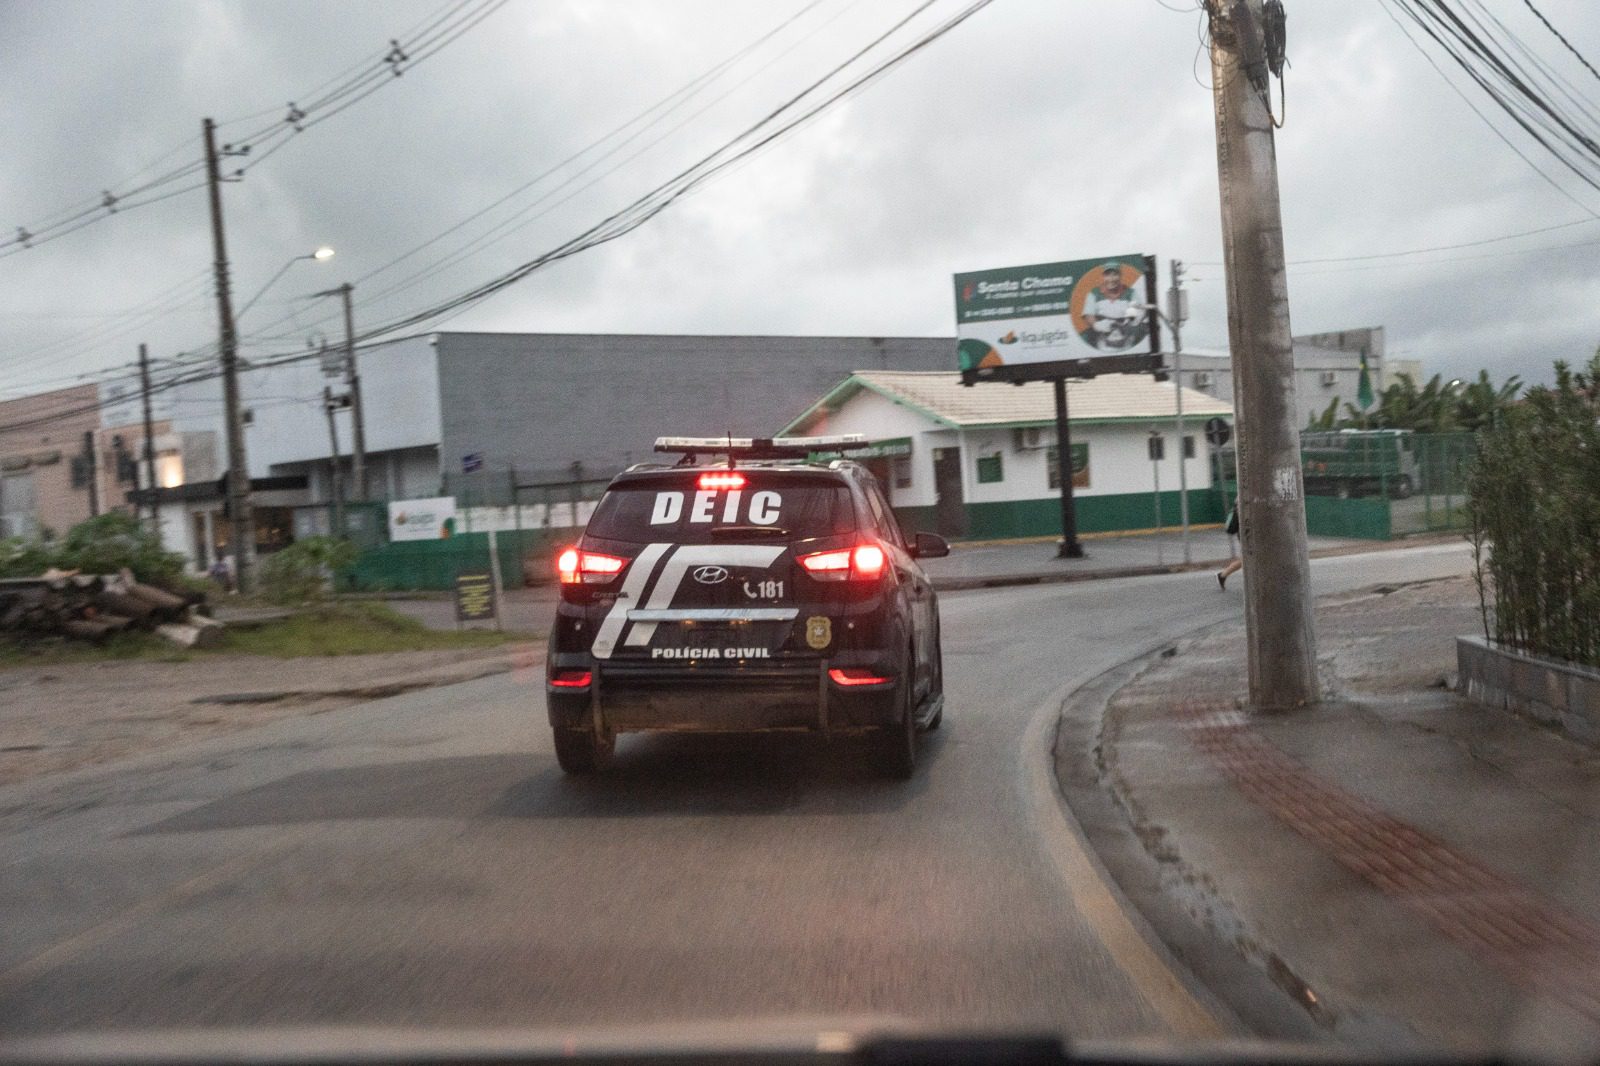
421, 861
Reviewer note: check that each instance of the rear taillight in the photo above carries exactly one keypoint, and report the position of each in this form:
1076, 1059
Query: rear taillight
581, 567
853, 676
571, 679
864, 562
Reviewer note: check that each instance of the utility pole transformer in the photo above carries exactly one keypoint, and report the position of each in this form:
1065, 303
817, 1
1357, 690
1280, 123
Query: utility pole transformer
149, 443
241, 519
358, 455
1277, 573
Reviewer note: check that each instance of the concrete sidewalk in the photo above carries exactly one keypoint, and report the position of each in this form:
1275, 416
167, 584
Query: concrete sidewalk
978, 564
1405, 868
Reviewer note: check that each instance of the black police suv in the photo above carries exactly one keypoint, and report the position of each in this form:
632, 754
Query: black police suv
749, 587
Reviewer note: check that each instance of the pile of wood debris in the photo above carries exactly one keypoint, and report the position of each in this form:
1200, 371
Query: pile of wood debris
96, 607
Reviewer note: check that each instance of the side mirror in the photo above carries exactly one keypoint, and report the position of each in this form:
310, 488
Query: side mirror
930, 546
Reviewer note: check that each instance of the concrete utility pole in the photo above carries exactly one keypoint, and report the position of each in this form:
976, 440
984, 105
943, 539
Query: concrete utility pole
240, 516
336, 475
1177, 315
1282, 642
149, 443
358, 456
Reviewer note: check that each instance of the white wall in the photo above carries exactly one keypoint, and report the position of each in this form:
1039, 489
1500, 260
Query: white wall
400, 402
1118, 461
879, 418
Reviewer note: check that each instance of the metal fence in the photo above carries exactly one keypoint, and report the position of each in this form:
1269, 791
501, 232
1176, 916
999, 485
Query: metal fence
1377, 485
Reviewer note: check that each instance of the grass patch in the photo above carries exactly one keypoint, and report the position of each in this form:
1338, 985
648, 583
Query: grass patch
356, 629
335, 629
55, 651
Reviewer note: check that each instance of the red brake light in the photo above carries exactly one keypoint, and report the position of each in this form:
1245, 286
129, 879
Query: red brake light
721, 480
576, 566
868, 561
851, 676
864, 562
571, 679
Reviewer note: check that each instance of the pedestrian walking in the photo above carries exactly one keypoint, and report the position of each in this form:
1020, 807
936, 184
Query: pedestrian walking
1235, 564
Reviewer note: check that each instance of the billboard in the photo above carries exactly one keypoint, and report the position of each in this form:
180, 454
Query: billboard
1074, 318
430, 519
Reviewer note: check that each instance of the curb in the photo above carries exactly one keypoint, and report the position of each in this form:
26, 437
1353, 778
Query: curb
1255, 994
995, 581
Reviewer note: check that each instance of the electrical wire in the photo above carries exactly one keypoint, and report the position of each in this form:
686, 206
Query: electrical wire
458, 18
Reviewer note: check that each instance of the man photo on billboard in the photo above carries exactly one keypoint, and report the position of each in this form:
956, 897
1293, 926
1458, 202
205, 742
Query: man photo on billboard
1115, 320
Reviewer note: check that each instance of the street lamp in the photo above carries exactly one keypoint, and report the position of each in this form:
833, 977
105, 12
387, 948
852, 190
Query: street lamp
320, 254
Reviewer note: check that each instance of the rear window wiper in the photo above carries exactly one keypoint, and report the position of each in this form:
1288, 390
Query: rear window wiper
749, 531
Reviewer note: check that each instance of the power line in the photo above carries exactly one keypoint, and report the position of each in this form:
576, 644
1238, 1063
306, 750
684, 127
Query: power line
1562, 38
669, 192
402, 56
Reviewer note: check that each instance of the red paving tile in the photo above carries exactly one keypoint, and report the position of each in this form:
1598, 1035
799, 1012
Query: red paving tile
1534, 941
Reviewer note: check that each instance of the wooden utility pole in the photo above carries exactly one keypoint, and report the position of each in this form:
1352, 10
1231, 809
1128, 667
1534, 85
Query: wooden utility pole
1277, 574
240, 517
149, 443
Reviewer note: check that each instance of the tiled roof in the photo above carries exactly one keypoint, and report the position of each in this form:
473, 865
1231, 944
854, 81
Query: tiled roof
941, 396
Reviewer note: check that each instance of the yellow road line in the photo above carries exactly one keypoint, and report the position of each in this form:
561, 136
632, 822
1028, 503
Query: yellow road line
64, 951
1148, 966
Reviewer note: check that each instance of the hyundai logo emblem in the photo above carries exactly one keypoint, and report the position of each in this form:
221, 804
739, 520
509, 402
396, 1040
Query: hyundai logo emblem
711, 575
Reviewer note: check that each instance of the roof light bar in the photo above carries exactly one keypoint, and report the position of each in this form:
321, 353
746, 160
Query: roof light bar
771, 447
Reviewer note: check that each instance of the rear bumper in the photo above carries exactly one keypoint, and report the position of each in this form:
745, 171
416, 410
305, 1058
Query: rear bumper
798, 697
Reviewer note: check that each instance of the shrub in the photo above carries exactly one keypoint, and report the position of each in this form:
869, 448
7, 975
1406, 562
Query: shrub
1535, 509
109, 542
303, 572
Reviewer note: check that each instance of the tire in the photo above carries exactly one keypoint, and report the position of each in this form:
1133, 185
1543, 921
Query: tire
894, 747
583, 751
938, 684
1403, 488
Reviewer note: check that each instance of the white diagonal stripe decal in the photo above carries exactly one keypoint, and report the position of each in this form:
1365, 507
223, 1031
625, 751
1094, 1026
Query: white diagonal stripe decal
605, 640
698, 555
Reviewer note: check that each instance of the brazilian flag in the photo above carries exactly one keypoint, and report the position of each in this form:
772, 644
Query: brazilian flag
1364, 389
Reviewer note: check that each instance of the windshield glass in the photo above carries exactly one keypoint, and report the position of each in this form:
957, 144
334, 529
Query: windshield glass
672, 518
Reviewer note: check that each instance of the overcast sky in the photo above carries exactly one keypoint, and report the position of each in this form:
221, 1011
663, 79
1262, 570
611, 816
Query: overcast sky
1040, 130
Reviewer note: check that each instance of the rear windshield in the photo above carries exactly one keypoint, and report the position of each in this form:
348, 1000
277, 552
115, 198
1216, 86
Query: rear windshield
679, 510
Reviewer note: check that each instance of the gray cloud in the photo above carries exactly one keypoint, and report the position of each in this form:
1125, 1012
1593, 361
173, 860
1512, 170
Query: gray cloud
1042, 129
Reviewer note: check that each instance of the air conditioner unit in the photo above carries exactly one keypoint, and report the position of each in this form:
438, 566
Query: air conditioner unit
1030, 438
1330, 377
1202, 380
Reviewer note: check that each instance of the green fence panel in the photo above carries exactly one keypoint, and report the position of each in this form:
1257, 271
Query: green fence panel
1363, 519
434, 564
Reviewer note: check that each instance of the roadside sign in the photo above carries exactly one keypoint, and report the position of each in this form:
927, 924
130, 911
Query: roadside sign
475, 596
430, 519
1218, 432
472, 462
1156, 445
1069, 315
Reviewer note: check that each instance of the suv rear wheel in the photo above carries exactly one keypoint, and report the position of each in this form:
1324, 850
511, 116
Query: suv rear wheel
584, 751
894, 747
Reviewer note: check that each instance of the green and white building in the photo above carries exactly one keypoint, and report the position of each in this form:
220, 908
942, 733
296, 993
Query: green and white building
981, 462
